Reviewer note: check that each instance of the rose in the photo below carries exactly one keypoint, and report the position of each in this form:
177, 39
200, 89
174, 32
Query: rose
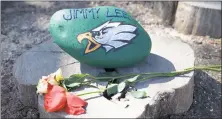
55, 99
52, 78
42, 85
74, 104
58, 75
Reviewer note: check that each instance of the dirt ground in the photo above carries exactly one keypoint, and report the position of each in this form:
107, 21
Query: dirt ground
25, 25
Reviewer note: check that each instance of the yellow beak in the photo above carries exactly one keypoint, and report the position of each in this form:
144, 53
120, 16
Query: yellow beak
91, 41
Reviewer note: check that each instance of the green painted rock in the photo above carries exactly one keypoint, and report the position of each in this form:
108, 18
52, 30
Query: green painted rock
103, 36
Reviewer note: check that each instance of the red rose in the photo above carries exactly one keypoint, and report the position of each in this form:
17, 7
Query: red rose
55, 99
74, 104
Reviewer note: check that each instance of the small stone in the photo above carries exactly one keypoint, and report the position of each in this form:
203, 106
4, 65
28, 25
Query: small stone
28, 46
24, 27
16, 41
5, 99
5, 89
3, 37
32, 113
198, 41
103, 36
120, 101
127, 106
8, 10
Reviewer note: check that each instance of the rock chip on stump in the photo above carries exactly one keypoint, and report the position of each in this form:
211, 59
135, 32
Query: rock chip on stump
103, 36
41, 61
166, 95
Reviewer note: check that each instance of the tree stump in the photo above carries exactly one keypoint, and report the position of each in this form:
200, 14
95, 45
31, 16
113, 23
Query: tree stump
165, 10
170, 95
199, 18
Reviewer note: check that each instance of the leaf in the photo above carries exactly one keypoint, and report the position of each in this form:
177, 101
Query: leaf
138, 94
133, 79
63, 84
112, 89
78, 77
75, 80
103, 79
73, 85
121, 86
89, 85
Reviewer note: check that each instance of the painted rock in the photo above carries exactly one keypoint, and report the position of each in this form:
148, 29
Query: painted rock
104, 36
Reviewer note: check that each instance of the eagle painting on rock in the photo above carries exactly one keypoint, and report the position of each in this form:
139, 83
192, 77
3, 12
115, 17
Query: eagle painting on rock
110, 35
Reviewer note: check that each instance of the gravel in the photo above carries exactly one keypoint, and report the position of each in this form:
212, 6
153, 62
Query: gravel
25, 25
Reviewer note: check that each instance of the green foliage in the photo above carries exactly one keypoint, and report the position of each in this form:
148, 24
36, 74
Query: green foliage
112, 89
121, 86
78, 77
117, 82
75, 80
133, 79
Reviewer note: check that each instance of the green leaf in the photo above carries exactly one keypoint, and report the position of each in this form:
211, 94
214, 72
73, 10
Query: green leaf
78, 77
73, 85
121, 86
75, 80
63, 84
133, 79
91, 86
138, 94
112, 89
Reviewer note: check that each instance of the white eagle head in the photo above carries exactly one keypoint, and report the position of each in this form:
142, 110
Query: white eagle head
108, 35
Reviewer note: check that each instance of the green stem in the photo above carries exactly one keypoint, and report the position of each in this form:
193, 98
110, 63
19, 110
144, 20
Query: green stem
175, 73
212, 67
152, 75
99, 91
63, 84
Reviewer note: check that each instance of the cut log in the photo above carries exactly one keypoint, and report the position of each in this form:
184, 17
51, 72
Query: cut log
170, 95
165, 10
199, 18
41, 61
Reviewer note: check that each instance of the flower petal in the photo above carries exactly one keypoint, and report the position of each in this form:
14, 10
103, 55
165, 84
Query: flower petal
74, 110
74, 100
42, 86
55, 99
74, 104
58, 75
52, 80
